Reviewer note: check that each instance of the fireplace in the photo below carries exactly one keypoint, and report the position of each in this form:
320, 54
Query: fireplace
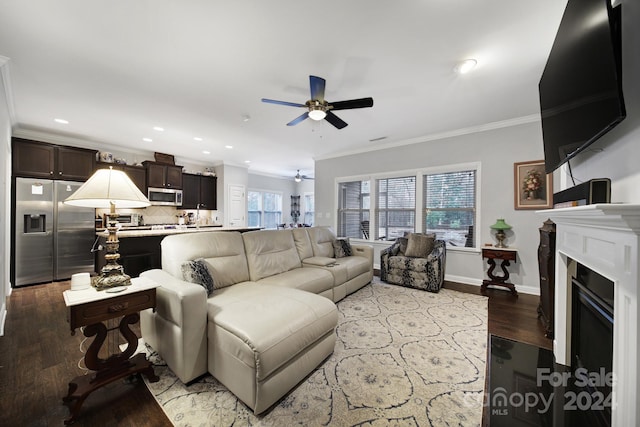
591, 345
605, 239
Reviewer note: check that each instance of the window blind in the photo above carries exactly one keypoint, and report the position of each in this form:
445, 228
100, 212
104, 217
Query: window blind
450, 206
396, 208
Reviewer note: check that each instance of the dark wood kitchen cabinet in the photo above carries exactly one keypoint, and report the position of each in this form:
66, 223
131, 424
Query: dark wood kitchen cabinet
36, 159
546, 266
137, 174
199, 190
160, 175
137, 254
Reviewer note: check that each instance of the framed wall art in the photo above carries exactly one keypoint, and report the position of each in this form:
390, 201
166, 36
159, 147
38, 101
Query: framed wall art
533, 188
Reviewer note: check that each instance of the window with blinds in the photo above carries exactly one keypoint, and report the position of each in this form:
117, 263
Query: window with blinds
309, 208
354, 202
396, 207
450, 206
264, 209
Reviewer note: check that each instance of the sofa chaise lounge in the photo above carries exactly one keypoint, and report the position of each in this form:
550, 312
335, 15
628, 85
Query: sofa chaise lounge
271, 317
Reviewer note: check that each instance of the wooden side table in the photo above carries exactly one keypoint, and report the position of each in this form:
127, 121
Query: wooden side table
91, 308
505, 255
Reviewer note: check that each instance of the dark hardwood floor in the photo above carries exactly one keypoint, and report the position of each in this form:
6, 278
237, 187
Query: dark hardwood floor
39, 356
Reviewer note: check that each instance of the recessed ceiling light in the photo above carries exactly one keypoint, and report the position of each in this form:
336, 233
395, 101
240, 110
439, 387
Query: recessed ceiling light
206, 152
197, 138
229, 147
158, 128
465, 66
246, 118
247, 161
61, 121
147, 139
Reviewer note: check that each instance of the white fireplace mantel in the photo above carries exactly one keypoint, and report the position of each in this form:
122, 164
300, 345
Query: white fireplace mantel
604, 238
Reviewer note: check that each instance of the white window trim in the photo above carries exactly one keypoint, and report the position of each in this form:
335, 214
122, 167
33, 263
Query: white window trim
304, 204
262, 191
419, 174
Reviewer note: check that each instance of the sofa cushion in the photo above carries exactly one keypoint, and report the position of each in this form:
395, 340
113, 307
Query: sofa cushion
197, 272
316, 281
273, 324
356, 265
223, 251
303, 244
342, 247
419, 245
270, 252
322, 241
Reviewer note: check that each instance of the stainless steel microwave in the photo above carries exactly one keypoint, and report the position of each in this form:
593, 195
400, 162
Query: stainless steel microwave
164, 196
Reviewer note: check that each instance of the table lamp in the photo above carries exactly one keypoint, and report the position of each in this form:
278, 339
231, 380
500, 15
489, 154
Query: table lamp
105, 189
500, 226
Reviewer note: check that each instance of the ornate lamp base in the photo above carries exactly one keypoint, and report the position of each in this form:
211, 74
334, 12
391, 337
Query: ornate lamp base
500, 236
105, 281
112, 274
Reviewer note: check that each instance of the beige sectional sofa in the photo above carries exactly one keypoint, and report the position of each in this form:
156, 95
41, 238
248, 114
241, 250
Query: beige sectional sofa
270, 319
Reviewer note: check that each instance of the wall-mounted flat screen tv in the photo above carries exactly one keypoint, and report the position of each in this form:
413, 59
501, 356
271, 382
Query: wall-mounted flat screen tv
581, 86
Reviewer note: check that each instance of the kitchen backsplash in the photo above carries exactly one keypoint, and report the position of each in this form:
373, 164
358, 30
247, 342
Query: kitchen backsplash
167, 215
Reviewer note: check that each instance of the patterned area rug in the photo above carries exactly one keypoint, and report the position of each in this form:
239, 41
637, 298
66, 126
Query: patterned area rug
403, 357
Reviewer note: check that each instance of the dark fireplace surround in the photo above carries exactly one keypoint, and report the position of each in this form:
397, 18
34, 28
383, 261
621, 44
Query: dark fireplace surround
592, 320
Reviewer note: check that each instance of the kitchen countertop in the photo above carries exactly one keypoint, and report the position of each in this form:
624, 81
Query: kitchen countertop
146, 230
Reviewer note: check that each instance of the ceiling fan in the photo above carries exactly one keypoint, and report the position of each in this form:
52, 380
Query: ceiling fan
299, 178
319, 108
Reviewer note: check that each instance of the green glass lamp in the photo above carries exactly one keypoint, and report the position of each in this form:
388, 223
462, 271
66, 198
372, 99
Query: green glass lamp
500, 226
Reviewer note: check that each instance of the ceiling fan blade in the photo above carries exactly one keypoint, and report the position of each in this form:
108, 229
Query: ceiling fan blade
352, 103
298, 119
290, 104
335, 120
317, 85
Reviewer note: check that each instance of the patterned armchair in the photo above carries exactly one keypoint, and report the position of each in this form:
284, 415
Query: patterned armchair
414, 272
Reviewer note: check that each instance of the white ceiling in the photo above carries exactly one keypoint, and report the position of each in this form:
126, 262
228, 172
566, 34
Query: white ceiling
116, 69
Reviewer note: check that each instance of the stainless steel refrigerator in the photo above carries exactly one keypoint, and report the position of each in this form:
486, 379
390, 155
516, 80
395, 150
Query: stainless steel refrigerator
52, 240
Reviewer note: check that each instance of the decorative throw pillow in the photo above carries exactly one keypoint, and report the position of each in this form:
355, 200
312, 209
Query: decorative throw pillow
403, 241
419, 245
196, 271
342, 247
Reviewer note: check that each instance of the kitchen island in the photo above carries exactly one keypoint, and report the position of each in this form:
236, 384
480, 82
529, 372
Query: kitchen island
139, 247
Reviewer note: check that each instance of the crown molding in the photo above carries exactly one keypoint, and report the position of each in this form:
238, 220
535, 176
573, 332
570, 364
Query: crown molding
436, 136
6, 82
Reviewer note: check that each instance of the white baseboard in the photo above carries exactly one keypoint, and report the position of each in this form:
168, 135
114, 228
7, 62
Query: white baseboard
531, 290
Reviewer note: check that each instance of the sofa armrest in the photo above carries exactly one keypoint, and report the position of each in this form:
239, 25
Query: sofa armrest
384, 258
177, 329
439, 255
363, 250
182, 303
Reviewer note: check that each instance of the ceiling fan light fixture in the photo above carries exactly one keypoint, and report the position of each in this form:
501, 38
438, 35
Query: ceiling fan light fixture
317, 114
297, 178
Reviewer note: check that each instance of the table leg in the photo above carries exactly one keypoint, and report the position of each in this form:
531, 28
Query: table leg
496, 280
116, 366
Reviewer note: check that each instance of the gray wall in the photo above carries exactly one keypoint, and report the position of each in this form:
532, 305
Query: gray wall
5, 200
496, 150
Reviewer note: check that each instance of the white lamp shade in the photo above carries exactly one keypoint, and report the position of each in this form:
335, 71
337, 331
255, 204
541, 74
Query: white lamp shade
107, 186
